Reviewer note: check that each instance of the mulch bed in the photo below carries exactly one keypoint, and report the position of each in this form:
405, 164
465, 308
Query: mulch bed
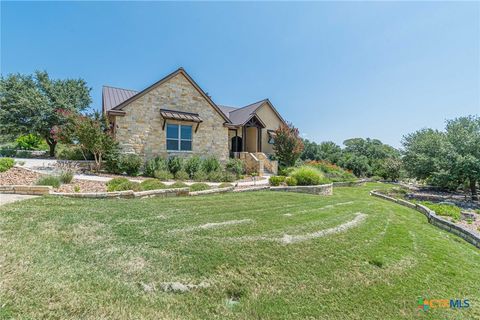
21, 176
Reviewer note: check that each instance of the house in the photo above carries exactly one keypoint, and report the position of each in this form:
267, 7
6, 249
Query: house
174, 116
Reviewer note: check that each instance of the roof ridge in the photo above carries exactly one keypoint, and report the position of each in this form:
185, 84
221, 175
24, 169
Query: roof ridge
107, 86
251, 104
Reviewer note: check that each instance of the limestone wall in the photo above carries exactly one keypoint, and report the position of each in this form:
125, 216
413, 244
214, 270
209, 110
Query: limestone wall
140, 130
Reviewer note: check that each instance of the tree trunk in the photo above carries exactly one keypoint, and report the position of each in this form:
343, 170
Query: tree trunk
473, 188
52, 144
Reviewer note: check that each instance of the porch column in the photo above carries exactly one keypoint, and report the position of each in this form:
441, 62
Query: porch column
259, 139
244, 139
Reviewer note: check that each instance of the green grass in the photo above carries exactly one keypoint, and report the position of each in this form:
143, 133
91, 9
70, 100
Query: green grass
90, 259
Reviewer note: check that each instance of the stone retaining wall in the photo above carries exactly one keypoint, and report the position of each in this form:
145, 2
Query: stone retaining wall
350, 183
323, 189
211, 191
436, 220
28, 190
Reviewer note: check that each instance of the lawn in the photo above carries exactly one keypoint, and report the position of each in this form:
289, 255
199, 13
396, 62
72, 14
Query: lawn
93, 259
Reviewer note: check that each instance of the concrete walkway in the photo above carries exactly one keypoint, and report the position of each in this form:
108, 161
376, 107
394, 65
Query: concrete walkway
9, 198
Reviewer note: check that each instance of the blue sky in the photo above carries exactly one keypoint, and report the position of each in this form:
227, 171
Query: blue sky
335, 69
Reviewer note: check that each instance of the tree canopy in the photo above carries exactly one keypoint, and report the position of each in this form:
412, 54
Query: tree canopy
34, 104
448, 159
288, 145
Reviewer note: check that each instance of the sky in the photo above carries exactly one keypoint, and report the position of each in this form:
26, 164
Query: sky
336, 70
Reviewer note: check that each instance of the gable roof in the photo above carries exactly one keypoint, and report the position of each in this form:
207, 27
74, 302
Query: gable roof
165, 79
112, 97
240, 116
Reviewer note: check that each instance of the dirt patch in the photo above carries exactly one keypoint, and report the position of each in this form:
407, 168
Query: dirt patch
213, 225
83, 186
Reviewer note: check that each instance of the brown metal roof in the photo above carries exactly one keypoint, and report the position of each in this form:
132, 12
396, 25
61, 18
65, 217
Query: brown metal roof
112, 97
179, 115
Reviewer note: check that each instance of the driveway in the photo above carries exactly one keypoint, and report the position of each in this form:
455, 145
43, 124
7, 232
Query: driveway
9, 198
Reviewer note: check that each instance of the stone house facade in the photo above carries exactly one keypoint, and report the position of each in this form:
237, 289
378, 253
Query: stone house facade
174, 116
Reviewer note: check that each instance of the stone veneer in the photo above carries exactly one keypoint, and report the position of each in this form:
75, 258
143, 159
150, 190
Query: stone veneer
140, 130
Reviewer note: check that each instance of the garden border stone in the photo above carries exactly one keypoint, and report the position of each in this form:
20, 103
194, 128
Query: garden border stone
468, 235
26, 189
321, 189
350, 183
211, 191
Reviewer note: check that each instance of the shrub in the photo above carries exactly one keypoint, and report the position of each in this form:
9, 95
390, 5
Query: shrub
155, 164
308, 176
6, 164
182, 175
200, 175
7, 151
151, 184
285, 171
376, 178
444, 209
76, 188
225, 185
50, 180
332, 171
215, 176
28, 142
112, 161
235, 166
71, 152
122, 184
276, 180
199, 187
116, 181
130, 164
228, 176
163, 175
210, 164
66, 176
175, 164
192, 165
291, 181
177, 184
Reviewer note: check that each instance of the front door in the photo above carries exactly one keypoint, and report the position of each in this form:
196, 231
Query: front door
236, 144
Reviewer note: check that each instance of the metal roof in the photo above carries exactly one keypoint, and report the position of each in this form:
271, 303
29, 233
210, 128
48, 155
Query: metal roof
179, 115
112, 96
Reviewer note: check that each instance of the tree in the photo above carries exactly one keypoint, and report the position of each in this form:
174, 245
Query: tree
390, 169
448, 159
91, 133
31, 104
288, 145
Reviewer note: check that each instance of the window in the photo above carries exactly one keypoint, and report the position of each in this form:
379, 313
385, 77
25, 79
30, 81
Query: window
179, 137
271, 136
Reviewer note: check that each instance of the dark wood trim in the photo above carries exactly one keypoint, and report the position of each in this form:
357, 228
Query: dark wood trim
244, 139
259, 142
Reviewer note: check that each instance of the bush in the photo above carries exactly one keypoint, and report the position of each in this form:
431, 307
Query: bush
182, 175
116, 181
71, 152
235, 166
151, 184
28, 142
276, 180
163, 175
66, 176
177, 184
332, 171
291, 181
6, 164
49, 181
308, 176
210, 164
199, 187
155, 164
130, 164
376, 178
112, 161
225, 185
285, 171
444, 209
122, 184
7, 152
228, 176
192, 165
200, 175
215, 176
175, 164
